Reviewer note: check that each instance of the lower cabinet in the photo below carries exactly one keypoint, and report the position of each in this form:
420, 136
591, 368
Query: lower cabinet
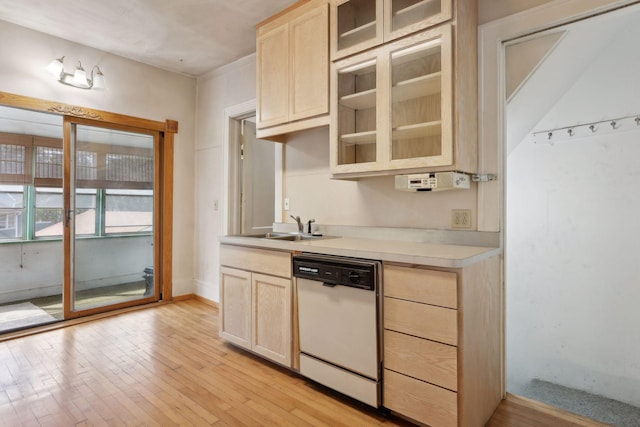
443, 343
256, 308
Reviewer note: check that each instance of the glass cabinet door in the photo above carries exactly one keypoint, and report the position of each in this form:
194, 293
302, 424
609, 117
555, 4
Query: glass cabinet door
355, 121
421, 95
407, 16
357, 26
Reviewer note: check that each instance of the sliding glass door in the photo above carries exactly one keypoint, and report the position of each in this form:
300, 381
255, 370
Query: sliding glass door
110, 216
31, 211
85, 211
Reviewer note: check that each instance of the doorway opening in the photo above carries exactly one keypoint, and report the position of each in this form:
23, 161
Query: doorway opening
254, 174
571, 255
83, 209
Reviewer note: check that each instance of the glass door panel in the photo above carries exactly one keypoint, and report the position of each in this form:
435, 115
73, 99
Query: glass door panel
357, 113
112, 225
31, 227
403, 17
416, 98
358, 26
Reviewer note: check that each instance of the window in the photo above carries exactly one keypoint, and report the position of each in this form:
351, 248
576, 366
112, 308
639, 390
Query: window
12, 212
114, 193
128, 211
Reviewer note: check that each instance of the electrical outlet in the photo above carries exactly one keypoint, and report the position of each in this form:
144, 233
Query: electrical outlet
286, 204
461, 218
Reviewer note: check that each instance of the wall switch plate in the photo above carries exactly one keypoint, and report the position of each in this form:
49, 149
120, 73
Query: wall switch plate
286, 204
461, 218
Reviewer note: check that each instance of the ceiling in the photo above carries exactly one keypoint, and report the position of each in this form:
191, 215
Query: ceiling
190, 37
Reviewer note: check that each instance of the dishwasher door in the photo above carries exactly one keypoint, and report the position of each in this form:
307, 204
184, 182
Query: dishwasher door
339, 326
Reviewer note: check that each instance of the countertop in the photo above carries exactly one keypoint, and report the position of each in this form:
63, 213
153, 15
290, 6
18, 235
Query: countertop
422, 253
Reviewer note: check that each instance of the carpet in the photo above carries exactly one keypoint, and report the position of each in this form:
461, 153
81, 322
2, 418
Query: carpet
598, 408
16, 316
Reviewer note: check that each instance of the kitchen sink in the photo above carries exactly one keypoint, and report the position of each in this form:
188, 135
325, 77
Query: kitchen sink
286, 236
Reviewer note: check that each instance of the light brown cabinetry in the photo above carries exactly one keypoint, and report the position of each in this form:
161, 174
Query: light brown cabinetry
408, 105
442, 343
358, 25
293, 69
256, 308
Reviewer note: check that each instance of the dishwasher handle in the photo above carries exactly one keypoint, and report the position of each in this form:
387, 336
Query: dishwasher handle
329, 285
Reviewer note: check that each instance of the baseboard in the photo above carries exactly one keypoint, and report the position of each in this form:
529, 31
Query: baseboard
183, 297
207, 301
197, 298
578, 420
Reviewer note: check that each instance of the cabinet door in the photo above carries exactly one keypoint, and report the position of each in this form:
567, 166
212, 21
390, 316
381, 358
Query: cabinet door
235, 306
420, 101
356, 26
402, 17
309, 56
273, 76
271, 319
357, 120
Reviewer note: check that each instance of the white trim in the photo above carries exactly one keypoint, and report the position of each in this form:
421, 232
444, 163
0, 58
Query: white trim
230, 181
491, 106
491, 128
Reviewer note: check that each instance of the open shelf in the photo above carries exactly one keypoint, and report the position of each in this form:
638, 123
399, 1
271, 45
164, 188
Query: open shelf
418, 87
357, 35
415, 13
360, 29
360, 100
417, 131
368, 137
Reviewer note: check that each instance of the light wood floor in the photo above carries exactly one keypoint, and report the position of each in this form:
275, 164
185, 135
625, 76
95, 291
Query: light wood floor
166, 366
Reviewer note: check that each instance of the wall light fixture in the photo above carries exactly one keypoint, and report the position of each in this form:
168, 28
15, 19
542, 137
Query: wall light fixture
79, 78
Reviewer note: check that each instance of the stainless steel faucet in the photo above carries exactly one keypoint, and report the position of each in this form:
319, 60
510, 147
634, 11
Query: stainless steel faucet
299, 221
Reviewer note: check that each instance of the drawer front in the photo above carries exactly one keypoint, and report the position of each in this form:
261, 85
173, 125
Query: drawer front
275, 263
426, 403
420, 285
422, 359
421, 320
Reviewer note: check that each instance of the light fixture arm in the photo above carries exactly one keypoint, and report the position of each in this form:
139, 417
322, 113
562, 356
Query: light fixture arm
79, 78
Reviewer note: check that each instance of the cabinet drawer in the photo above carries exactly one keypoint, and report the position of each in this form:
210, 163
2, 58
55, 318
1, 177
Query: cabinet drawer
422, 359
423, 402
275, 263
421, 320
426, 286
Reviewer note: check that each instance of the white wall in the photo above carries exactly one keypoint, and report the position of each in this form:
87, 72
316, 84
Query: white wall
222, 88
367, 202
133, 89
573, 239
35, 269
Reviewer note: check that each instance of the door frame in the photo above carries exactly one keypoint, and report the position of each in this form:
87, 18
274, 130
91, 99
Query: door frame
69, 238
231, 185
164, 154
492, 39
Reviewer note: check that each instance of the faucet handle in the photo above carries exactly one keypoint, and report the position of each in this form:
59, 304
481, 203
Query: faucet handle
309, 225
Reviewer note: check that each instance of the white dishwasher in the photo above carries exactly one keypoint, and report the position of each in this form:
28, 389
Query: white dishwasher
339, 323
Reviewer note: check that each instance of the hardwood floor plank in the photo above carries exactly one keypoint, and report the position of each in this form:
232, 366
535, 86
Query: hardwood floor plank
166, 366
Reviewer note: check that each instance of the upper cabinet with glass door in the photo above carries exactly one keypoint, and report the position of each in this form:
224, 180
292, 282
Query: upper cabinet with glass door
355, 125
424, 101
358, 25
